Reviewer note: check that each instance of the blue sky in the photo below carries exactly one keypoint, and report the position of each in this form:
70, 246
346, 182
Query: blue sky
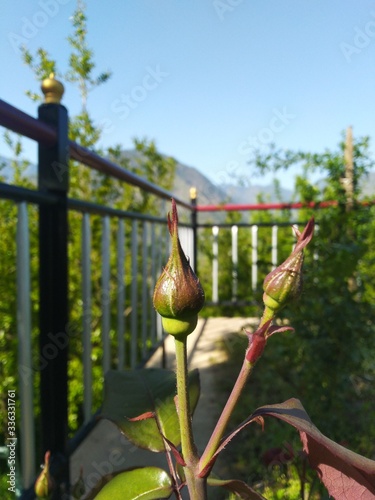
209, 80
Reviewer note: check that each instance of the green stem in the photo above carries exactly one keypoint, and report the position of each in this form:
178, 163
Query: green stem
197, 486
267, 315
184, 413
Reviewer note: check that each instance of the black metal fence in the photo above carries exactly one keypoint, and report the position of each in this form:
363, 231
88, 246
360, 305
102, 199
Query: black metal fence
51, 197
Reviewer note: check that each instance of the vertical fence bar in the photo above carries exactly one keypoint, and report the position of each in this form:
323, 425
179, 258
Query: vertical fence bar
25, 371
234, 231
316, 231
153, 282
120, 295
53, 285
144, 290
160, 262
254, 257
134, 296
86, 302
274, 247
215, 265
194, 225
106, 303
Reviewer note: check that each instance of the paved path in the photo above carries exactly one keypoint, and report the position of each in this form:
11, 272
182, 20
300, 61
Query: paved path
106, 450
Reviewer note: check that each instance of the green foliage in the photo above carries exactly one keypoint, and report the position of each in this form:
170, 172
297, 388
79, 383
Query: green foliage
287, 484
334, 319
147, 483
328, 361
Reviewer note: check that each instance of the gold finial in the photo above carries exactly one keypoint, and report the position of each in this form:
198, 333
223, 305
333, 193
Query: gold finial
52, 89
193, 193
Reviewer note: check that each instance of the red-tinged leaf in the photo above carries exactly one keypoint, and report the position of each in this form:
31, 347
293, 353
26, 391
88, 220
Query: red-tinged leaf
279, 329
241, 489
175, 452
345, 474
143, 416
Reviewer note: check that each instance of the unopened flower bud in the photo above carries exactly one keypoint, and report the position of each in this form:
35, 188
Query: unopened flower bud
284, 283
44, 485
178, 295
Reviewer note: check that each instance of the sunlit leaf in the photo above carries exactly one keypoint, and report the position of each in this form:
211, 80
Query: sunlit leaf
133, 393
147, 483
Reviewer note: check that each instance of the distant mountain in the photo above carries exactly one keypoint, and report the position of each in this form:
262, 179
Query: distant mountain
212, 194
208, 192
188, 177
249, 194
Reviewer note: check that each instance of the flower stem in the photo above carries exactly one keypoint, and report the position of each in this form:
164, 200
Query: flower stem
183, 405
268, 314
197, 486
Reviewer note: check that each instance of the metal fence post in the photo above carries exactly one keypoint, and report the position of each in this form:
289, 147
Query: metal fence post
53, 284
194, 225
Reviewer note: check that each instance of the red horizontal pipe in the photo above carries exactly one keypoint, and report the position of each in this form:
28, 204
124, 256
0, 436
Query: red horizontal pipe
271, 206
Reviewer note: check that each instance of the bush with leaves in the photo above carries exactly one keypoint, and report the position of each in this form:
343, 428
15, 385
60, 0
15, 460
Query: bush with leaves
335, 316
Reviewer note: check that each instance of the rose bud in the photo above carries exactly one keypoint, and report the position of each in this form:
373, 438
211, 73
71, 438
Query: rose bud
44, 485
178, 295
285, 282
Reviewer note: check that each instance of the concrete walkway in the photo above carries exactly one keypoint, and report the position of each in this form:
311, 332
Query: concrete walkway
107, 450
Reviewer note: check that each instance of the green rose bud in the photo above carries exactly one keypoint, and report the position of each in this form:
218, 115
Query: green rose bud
284, 283
178, 295
44, 485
